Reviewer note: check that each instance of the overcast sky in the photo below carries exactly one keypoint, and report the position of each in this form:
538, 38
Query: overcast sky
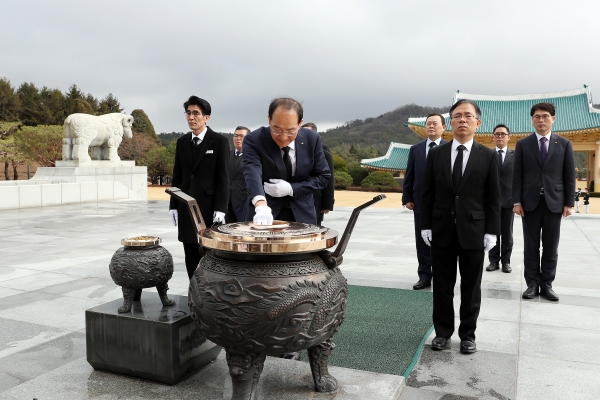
342, 59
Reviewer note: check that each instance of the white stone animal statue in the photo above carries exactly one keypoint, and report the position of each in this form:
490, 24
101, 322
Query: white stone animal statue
102, 133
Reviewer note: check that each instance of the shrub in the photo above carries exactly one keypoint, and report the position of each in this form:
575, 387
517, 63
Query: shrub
342, 179
380, 180
339, 164
357, 173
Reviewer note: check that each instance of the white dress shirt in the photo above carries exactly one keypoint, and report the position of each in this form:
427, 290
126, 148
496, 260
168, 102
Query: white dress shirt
200, 136
503, 152
466, 153
547, 143
437, 142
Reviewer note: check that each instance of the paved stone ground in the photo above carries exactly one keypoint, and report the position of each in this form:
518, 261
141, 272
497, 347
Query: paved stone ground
54, 265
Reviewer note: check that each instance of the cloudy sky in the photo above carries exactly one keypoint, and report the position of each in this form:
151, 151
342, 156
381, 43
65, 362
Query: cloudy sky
343, 59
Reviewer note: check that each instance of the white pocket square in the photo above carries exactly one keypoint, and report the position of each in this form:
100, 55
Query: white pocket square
209, 151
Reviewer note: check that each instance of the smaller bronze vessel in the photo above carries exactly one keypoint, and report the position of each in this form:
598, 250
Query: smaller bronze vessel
141, 263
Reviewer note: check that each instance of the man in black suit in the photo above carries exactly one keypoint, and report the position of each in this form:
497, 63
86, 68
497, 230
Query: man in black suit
284, 165
237, 182
460, 218
543, 193
435, 125
506, 157
324, 198
200, 171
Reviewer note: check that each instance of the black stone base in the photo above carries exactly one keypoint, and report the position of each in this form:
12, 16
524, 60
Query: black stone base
151, 342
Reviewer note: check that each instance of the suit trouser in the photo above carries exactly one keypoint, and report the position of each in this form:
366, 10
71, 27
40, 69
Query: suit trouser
541, 222
470, 264
423, 252
504, 246
192, 257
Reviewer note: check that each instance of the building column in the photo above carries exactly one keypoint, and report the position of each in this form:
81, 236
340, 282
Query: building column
596, 172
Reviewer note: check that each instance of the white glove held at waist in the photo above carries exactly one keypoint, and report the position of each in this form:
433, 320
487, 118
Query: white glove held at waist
278, 188
489, 241
174, 216
218, 217
426, 235
263, 215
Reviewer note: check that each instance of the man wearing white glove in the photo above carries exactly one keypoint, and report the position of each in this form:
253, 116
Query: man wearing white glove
284, 165
460, 220
200, 170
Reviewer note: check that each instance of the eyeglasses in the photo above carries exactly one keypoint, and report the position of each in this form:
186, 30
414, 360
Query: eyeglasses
499, 135
195, 113
468, 117
433, 124
538, 117
288, 133
238, 136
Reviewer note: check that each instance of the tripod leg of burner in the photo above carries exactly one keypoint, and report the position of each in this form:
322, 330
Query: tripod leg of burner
318, 356
128, 295
245, 370
162, 293
138, 295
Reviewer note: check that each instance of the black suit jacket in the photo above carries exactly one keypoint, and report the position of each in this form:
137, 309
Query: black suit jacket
412, 189
474, 208
203, 177
263, 161
324, 198
237, 182
506, 178
556, 176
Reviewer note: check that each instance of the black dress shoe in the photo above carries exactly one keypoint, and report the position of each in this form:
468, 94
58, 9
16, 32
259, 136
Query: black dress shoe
506, 268
549, 294
421, 285
440, 343
531, 292
492, 267
467, 347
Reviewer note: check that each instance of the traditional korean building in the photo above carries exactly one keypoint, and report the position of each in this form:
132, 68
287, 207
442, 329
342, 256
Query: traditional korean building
394, 161
576, 120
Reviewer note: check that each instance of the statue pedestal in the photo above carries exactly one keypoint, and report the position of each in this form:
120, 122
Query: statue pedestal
151, 342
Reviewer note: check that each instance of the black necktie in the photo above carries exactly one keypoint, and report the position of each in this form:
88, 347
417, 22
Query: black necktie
196, 141
543, 149
287, 161
431, 146
500, 159
457, 169
237, 153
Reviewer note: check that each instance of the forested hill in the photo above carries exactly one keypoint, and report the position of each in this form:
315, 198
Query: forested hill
380, 131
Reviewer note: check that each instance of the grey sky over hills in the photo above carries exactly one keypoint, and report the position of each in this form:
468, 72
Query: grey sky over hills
343, 59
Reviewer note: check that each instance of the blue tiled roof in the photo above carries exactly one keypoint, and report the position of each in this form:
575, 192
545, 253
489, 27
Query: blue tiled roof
574, 111
395, 159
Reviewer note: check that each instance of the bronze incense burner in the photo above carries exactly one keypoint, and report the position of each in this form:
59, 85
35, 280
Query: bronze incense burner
267, 290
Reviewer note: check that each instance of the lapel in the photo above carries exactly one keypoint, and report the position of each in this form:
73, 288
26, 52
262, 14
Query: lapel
187, 149
508, 157
551, 148
206, 143
421, 149
446, 163
275, 152
533, 144
471, 163
237, 163
301, 153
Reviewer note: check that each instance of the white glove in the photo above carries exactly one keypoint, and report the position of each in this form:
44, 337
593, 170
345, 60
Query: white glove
426, 235
489, 241
263, 215
278, 188
218, 217
174, 216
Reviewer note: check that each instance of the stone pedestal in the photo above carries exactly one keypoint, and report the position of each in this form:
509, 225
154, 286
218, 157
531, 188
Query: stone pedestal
151, 342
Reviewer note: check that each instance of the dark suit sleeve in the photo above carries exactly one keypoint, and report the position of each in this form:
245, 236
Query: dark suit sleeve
222, 175
252, 165
517, 178
177, 174
492, 201
428, 196
327, 199
409, 178
319, 176
569, 175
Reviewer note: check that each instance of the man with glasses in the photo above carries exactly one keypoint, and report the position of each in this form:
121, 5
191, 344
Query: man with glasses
503, 249
460, 219
237, 182
543, 193
284, 165
200, 171
435, 125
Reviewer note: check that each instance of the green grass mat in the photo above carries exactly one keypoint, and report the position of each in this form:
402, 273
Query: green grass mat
383, 329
